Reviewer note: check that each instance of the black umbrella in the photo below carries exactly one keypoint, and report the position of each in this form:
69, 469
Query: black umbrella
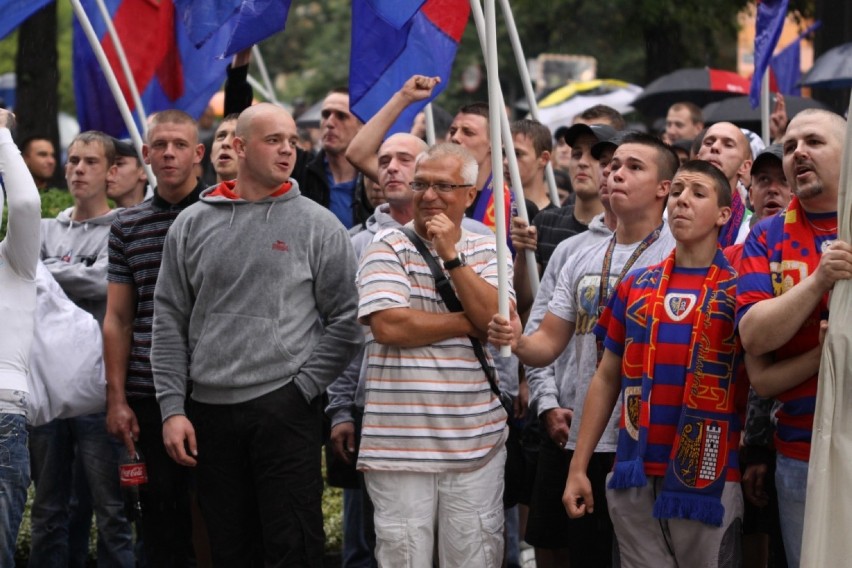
832, 69
696, 85
738, 110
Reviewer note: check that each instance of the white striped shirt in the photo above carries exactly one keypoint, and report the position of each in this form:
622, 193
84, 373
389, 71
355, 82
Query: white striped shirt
430, 408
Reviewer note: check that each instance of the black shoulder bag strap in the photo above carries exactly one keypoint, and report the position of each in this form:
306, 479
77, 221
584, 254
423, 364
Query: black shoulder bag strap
444, 287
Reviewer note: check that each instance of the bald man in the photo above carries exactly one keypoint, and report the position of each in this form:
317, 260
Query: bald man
790, 264
256, 306
726, 147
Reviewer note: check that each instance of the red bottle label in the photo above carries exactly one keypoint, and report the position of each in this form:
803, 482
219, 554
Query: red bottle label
133, 474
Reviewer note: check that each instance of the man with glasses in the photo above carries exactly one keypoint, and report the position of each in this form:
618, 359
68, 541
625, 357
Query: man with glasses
432, 446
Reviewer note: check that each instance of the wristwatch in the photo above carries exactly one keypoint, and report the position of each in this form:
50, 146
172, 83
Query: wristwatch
458, 261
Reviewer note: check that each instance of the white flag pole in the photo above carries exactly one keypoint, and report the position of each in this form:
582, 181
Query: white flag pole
764, 108
517, 187
125, 68
257, 86
261, 66
515, 39
430, 124
495, 105
114, 87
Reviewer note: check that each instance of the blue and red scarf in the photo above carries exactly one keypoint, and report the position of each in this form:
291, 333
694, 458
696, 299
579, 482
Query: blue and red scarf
697, 469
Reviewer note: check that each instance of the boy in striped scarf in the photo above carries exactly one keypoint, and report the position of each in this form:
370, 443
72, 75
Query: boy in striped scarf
669, 357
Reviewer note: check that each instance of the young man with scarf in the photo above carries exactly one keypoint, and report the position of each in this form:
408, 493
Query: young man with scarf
669, 355
790, 264
641, 171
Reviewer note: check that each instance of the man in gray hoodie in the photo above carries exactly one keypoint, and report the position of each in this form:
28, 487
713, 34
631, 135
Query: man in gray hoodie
74, 250
255, 304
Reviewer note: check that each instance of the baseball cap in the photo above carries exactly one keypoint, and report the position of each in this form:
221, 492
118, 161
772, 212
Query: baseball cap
570, 134
124, 148
771, 152
612, 142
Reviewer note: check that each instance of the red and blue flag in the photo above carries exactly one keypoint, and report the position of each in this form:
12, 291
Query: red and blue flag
770, 22
170, 72
13, 13
246, 22
395, 39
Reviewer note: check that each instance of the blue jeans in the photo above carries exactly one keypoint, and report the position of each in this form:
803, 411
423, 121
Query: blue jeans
791, 481
14, 480
53, 447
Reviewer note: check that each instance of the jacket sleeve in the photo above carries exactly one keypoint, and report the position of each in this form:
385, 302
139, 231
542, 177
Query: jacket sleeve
337, 302
341, 393
21, 246
170, 340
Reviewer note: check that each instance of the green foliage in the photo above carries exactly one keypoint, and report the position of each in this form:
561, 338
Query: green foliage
52, 202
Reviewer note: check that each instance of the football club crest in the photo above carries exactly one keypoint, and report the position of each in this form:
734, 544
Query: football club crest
678, 306
632, 404
702, 443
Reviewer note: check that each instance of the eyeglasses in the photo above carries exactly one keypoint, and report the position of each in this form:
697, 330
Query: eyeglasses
438, 185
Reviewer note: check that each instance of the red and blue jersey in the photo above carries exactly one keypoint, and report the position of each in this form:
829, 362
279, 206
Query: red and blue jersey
779, 253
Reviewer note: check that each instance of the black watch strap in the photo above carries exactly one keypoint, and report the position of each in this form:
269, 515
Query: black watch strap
454, 263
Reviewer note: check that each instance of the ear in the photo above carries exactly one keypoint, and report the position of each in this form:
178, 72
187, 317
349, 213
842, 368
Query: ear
199, 154
239, 145
744, 171
663, 189
724, 215
112, 172
470, 196
146, 151
544, 158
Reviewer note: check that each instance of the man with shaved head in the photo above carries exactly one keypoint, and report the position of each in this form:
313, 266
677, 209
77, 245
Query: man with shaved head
256, 306
790, 264
726, 147
135, 251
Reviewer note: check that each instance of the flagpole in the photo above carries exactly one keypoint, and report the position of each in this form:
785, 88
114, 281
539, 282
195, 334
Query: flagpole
517, 186
430, 124
495, 103
257, 86
125, 68
764, 108
515, 40
261, 66
114, 87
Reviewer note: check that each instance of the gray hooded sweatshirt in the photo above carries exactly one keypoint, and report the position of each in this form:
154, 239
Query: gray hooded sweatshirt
251, 296
77, 254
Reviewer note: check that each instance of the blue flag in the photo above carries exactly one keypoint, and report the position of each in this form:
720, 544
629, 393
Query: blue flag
770, 22
787, 65
245, 22
395, 39
170, 72
13, 13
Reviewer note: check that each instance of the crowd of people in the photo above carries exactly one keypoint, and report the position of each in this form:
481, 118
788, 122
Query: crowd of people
657, 409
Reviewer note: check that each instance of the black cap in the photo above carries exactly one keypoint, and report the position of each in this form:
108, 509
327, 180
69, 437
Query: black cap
125, 148
612, 142
570, 134
683, 144
771, 152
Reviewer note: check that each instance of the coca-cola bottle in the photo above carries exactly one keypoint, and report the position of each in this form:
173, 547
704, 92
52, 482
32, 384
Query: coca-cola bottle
133, 475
